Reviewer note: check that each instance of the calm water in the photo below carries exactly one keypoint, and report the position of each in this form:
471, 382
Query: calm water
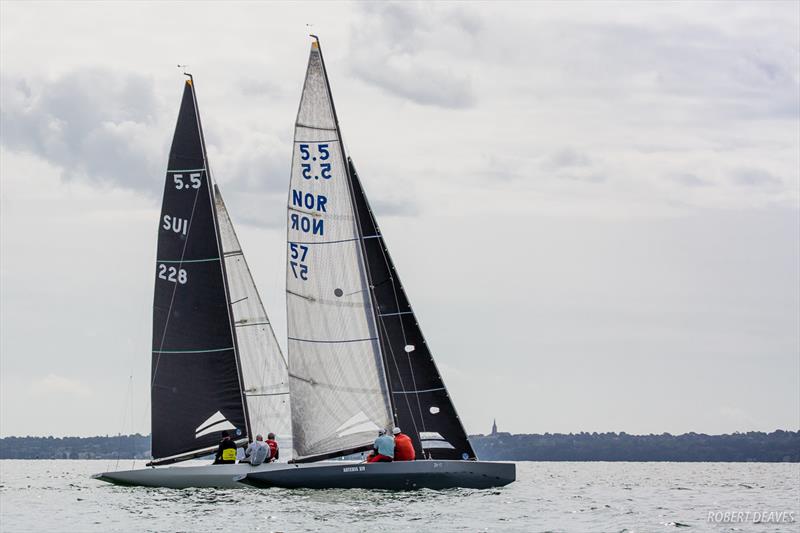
58, 496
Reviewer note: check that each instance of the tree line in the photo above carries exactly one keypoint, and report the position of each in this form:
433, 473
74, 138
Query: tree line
778, 446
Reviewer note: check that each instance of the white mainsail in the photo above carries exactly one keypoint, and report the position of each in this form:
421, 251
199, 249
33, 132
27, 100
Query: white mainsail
264, 369
338, 385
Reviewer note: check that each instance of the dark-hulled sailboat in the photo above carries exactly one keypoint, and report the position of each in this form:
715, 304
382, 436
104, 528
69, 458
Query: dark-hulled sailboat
357, 359
216, 364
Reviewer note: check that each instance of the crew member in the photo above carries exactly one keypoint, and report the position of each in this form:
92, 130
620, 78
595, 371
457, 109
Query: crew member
257, 452
273, 448
382, 449
403, 447
226, 451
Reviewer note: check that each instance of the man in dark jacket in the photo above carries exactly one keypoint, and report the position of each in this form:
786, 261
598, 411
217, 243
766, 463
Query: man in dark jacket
226, 451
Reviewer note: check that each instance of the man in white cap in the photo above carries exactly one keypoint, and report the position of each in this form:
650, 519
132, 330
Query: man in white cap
403, 447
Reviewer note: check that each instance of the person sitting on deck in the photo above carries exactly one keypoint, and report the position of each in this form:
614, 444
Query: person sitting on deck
272, 444
403, 447
382, 449
226, 451
257, 452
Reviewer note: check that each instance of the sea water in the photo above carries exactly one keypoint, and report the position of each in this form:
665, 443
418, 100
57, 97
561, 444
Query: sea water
60, 496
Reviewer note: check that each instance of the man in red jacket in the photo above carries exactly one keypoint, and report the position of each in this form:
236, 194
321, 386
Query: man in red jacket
273, 448
403, 447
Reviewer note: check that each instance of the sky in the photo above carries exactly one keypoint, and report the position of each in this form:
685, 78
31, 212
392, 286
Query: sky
594, 207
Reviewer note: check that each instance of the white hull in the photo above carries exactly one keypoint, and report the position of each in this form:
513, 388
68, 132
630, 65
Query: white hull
183, 477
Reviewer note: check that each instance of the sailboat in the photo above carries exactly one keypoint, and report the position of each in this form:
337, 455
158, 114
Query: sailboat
216, 364
358, 361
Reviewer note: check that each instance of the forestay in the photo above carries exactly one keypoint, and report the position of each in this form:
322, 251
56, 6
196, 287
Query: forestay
337, 381
264, 370
195, 387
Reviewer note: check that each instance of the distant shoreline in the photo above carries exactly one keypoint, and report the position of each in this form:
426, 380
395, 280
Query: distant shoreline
778, 446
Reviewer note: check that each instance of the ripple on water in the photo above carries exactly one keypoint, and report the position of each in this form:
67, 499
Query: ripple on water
59, 496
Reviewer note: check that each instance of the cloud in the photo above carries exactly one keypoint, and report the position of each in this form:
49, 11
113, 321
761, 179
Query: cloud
386, 207
53, 384
755, 177
95, 124
409, 51
689, 180
567, 157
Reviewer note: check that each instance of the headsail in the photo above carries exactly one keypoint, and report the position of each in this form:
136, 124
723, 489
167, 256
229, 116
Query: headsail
337, 381
195, 379
264, 370
422, 405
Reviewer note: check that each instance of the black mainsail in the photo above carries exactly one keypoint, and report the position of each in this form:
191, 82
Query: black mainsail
357, 358
422, 405
197, 384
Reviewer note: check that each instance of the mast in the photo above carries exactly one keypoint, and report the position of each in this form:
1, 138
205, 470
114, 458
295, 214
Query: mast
222, 263
355, 208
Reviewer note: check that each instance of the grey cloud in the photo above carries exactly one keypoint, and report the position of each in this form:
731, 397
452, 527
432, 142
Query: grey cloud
259, 209
95, 124
585, 178
408, 50
427, 86
259, 87
681, 70
567, 157
755, 177
262, 167
391, 207
689, 180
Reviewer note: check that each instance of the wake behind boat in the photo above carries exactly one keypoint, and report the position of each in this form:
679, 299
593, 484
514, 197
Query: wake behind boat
216, 365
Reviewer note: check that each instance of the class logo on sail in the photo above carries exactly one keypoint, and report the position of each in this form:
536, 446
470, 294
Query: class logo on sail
357, 423
214, 423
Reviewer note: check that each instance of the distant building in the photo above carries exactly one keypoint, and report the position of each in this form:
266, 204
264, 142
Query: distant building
494, 428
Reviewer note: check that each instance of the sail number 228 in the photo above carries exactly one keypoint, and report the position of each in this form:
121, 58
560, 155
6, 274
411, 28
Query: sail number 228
175, 275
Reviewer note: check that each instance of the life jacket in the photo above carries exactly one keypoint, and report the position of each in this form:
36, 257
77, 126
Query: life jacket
229, 454
273, 450
403, 448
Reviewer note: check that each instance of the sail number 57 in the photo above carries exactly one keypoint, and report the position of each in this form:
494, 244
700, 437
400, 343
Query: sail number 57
299, 253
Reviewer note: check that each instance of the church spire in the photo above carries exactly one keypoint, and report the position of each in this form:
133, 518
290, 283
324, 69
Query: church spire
494, 427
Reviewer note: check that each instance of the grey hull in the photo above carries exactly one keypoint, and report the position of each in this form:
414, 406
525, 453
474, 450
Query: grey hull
392, 476
183, 477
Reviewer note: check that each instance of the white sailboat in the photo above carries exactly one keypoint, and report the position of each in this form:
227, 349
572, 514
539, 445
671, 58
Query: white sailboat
357, 358
216, 364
